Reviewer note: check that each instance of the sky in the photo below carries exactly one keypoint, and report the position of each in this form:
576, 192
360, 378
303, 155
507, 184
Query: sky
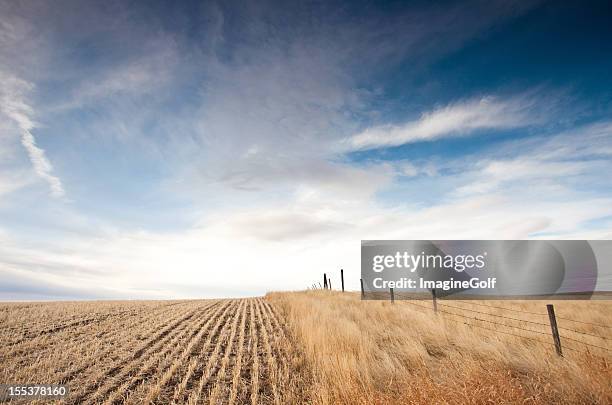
222, 149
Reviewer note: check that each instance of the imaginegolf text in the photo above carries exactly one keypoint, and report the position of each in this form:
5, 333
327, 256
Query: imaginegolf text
445, 285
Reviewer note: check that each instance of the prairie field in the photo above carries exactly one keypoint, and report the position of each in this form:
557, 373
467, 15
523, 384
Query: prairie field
315, 347
366, 352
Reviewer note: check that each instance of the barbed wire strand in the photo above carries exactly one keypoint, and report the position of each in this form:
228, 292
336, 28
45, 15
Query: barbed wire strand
528, 321
499, 316
482, 320
536, 313
585, 343
521, 336
586, 323
504, 308
494, 323
584, 333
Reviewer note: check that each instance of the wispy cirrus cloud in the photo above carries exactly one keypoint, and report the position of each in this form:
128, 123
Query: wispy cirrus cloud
14, 106
553, 163
457, 119
13, 180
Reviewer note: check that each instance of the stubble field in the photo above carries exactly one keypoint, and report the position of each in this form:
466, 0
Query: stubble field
211, 351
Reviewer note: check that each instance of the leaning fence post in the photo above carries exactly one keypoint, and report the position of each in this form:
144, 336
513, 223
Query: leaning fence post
362, 291
553, 327
325, 281
342, 278
392, 296
435, 303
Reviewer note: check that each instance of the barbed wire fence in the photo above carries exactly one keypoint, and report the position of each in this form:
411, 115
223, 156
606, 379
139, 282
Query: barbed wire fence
512, 322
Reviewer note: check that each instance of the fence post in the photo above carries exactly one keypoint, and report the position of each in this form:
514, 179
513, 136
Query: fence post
320, 288
553, 327
362, 291
435, 303
329, 283
325, 281
342, 278
392, 296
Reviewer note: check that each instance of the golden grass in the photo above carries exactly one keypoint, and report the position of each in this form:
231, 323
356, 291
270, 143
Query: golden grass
366, 352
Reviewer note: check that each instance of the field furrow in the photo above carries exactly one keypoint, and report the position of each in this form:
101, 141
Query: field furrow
203, 391
221, 390
237, 384
277, 334
254, 349
267, 364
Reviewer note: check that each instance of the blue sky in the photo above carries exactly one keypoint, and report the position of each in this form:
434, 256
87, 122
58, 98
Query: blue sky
156, 150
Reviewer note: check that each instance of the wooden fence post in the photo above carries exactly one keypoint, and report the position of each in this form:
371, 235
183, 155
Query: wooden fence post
362, 291
392, 296
435, 303
329, 283
553, 327
325, 281
342, 278
320, 288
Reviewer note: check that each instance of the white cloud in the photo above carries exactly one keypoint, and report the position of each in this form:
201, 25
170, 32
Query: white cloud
13, 180
548, 164
592, 141
457, 119
144, 74
521, 172
14, 106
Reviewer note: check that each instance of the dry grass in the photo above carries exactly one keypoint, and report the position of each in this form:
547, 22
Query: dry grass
377, 352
